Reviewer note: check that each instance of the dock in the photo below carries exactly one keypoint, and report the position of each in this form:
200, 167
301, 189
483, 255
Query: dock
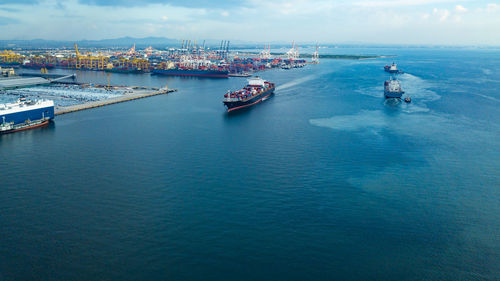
137, 94
13, 83
30, 80
50, 76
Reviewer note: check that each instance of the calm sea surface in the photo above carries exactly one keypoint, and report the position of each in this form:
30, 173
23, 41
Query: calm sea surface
324, 181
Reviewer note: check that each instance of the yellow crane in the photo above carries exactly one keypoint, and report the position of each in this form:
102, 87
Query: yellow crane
11, 57
89, 62
78, 65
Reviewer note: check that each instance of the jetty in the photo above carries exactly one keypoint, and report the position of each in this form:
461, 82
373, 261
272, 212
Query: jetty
30, 80
136, 94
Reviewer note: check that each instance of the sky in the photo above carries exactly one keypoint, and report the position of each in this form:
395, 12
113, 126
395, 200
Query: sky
421, 22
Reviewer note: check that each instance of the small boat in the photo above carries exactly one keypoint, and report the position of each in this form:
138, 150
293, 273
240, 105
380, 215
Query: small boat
240, 74
407, 99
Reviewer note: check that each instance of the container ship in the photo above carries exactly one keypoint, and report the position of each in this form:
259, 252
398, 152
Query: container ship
126, 70
392, 89
25, 114
10, 64
254, 92
33, 65
214, 73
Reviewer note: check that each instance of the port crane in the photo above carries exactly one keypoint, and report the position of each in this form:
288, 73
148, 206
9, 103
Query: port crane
315, 57
88, 61
293, 53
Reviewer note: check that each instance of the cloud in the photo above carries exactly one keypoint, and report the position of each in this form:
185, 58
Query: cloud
492, 7
442, 14
399, 3
460, 9
178, 3
19, 2
6, 21
304, 20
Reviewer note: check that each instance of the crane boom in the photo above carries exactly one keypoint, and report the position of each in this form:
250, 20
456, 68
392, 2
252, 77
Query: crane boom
77, 52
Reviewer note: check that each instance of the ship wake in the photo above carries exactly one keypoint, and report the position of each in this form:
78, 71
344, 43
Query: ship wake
295, 82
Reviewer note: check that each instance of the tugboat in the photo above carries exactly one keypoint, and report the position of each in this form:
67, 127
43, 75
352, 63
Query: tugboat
392, 89
393, 68
254, 92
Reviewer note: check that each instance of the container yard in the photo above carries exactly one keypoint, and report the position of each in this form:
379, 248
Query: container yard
189, 59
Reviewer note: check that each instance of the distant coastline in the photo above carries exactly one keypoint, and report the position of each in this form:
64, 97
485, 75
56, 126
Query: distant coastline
327, 56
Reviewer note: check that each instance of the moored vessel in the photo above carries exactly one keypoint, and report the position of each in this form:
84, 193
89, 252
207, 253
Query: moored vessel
242, 74
254, 92
33, 65
392, 89
25, 114
126, 70
213, 73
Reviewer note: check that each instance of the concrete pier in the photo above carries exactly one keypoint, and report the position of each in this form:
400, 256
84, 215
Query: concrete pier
137, 94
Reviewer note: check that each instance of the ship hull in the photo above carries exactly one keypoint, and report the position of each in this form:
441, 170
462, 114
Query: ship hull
10, 65
235, 105
393, 95
27, 126
32, 114
125, 71
38, 66
192, 72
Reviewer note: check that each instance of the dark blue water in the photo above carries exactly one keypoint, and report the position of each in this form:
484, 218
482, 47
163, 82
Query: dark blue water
324, 181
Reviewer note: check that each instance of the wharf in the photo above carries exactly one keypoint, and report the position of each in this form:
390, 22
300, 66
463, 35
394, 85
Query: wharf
16, 82
49, 75
31, 80
137, 94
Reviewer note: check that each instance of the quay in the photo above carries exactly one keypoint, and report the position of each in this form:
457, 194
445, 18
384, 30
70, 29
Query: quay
137, 94
29, 80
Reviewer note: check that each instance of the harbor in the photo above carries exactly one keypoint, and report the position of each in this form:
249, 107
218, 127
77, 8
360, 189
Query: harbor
168, 177
22, 90
32, 100
249, 140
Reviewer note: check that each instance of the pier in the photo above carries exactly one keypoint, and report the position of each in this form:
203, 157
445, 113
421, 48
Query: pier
137, 94
31, 79
16, 82
50, 76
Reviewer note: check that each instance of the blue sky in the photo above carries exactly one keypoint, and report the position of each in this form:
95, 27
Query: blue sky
326, 21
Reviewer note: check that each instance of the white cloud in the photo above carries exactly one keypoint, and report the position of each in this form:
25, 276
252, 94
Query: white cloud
304, 20
399, 3
442, 14
492, 7
460, 9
